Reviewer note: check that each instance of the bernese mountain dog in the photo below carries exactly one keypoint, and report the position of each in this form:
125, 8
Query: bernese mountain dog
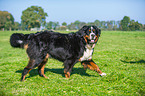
68, 48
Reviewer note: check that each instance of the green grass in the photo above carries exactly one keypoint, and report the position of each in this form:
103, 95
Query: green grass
119, 54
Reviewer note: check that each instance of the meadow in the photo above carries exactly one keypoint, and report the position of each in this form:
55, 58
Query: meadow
121, 55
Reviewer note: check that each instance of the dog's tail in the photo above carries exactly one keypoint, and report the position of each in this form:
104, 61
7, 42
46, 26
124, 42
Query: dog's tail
17, 40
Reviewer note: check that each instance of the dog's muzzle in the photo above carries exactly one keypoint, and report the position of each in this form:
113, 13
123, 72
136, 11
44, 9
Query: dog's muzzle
92, 38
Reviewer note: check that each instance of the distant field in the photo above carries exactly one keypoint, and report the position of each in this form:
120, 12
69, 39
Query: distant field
119, 54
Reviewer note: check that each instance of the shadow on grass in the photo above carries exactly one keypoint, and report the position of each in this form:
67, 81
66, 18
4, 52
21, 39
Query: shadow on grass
80, 71
140, 61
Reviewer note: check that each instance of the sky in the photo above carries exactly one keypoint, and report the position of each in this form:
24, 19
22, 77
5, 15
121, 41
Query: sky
83, 10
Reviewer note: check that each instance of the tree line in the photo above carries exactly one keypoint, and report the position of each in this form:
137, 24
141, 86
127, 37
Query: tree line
35, 17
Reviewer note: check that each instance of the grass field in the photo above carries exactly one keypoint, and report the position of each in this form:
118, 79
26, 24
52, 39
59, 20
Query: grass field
121, 55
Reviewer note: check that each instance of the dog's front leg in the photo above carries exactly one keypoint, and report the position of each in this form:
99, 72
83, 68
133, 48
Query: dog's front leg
92, 66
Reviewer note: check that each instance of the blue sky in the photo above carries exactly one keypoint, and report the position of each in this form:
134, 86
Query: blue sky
83, 10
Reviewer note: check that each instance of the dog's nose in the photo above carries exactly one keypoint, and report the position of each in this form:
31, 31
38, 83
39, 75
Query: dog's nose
93, 35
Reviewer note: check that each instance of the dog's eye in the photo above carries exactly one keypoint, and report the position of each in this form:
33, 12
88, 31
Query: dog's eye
89, 30
93, 30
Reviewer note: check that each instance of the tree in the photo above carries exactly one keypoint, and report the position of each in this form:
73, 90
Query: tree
16, 26
125, 23
134, 25
8, 25
103, 23
49, 25
97, 23
143, 27
55, 25
6, 20
76, 23
52, 25
72, 26
33, 16
115, 25
64, 24
81, 24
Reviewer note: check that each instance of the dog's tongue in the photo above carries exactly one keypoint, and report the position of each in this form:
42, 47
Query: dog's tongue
92, 41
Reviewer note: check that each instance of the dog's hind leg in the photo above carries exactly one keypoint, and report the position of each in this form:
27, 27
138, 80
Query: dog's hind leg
68, 65
27, 69
41, 67
67, 71
32, 64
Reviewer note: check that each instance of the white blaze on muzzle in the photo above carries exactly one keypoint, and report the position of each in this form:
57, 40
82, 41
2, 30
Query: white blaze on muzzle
92, 36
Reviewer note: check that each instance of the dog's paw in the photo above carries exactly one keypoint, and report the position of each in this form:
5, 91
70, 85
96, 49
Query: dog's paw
103, 74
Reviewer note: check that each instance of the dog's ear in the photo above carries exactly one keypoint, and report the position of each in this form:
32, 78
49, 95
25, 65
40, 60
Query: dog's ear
83, 30
98, 30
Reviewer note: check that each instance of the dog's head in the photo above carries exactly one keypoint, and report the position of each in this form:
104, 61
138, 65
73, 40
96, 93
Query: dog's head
91, 34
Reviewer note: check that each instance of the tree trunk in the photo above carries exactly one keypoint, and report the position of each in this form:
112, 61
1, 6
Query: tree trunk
10, 28
3, 29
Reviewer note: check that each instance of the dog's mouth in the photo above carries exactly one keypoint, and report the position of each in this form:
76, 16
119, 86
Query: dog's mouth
92, 41
92, 38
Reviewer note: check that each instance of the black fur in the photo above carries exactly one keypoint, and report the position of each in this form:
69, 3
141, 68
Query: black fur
68, 48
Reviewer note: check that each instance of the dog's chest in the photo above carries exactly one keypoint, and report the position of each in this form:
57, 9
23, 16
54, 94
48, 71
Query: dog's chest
87, 54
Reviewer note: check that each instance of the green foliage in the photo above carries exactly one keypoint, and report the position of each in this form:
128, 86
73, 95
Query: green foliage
33, 16
76, 25
135, 25
16, 26
106, 25
8, 25
97, 23
71, 26
52, 25
64, 24
119, 54
125, 23
6, 20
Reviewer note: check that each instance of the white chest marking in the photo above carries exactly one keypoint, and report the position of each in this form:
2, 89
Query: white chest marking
87, 54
